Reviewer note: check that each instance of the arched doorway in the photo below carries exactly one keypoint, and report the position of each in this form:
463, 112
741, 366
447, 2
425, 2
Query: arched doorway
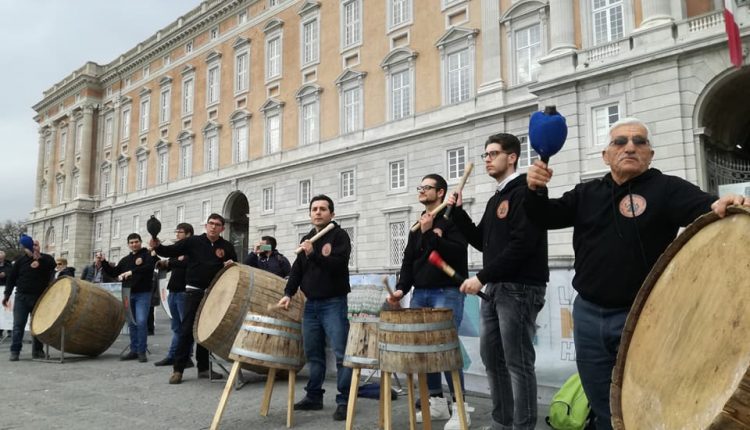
723, 112
236, 209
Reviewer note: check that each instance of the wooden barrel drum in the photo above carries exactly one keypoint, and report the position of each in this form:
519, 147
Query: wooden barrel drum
684, 358
362, 343
418, 341
269, 342
90, 316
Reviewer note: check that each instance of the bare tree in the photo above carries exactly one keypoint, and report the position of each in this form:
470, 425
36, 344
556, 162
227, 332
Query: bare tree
10, 232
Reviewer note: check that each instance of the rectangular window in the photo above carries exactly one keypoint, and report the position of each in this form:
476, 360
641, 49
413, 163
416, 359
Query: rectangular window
116, 229
63, 142
528, 50
242, 17
109, 129
162, 177
351, 110
145, 111
212, 151
352, 23
240, 143
123, 179
79, 138
456, 163
353, 254
136, 223
99, 231
212, 86
528, 155
273, 57
268, 199
604, 117
608, 21
189, 47
187, 96
401, 94
164, 103
141, 172
400, 12
146, 72
180, 214
105, 183
205, 210
347, 186
213, 34
128, 82
47, 151
273, 134
59, 190
186, 160
310, 42
166, 60
459, 76
125, 124
66, 233
310, 122
305, 192
76, 185
397, 174
398, 236
240, 72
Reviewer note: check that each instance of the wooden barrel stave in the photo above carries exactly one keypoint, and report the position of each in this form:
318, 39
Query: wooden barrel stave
269, 342
362, 344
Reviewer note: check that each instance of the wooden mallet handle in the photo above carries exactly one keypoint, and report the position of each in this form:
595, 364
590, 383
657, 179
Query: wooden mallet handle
436, 260
464, 178
317, 236
274, 307
433, 212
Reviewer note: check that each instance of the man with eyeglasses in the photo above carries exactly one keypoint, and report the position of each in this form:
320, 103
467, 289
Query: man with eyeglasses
432, 287
206, 255
515, 272
621, 224
135, 271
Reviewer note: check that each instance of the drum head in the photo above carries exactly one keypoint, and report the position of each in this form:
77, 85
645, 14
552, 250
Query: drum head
217, 303
51, 305
685, 349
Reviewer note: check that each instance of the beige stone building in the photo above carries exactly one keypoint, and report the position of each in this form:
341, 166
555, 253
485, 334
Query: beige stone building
249, 107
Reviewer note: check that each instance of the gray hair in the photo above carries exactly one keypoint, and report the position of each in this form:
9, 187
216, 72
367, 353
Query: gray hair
630, 120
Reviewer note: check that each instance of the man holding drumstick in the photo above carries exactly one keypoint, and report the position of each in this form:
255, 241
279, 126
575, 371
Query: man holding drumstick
321, 271
206, 255
621, 225
432, 287
514, 256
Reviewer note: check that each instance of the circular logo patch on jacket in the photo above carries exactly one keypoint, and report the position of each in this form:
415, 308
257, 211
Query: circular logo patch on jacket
219, 252
502, 209
635, 209
326, 251
34, 264
138, 261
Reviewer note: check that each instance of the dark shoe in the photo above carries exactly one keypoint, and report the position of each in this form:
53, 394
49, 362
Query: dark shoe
176, 378
38, 355
307, 404
142, 357
165, 362
340, 414
129, 356
206, 374
189, 364
13, 356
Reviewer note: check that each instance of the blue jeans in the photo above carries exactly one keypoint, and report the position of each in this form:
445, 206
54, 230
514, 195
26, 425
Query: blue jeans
140, 305
176, 302
326, 317
506, 346
23, 304
596, 334
447, 298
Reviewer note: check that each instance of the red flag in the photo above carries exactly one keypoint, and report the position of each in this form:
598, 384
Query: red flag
733, 34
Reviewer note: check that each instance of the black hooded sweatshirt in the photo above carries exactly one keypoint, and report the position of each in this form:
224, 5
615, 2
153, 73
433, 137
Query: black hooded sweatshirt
614, 250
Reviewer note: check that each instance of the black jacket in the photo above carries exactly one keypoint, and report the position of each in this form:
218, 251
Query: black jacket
325, 272
205, 259
450, 244
5, 270
276, 263
68, 271
141, 263
90, 271
178, 277
615, 251
28, 279
513, 249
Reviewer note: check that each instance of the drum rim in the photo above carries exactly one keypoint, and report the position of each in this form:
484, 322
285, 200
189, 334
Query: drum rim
631, 323
65, 314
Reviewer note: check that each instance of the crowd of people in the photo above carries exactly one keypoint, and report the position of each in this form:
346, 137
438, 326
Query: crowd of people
621, 224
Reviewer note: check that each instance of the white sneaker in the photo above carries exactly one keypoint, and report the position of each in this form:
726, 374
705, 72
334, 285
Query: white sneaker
455, 423
438, 410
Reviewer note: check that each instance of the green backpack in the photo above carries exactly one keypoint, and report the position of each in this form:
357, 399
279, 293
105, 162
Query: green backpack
570, 408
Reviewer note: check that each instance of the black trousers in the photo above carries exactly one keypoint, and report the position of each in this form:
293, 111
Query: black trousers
185, 341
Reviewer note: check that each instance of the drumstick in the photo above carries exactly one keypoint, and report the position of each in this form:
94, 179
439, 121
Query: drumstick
275, 307
433, 212
385, 284
436, 260
464, 178
317, 236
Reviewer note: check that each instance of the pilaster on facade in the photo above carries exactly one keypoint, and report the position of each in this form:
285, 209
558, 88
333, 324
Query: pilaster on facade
492, 76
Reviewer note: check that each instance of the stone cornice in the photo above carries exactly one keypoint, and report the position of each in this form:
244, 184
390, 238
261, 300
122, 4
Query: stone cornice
57, 94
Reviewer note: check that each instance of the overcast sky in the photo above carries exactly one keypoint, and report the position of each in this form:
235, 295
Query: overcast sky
43, 41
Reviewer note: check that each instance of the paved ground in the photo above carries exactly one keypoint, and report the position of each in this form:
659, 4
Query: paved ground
104, 393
